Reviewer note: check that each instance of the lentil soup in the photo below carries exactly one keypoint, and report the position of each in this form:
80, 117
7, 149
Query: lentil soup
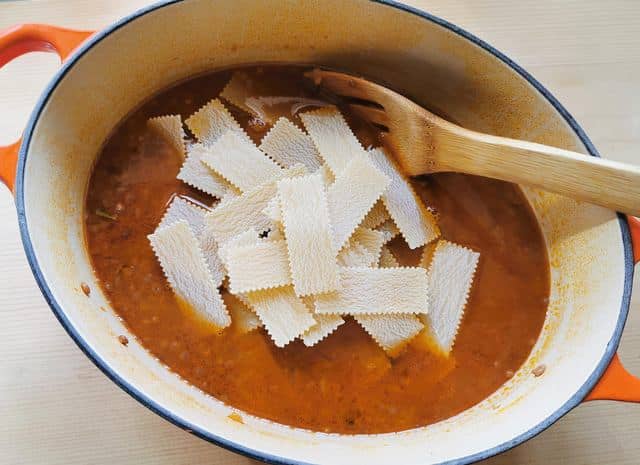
346, 383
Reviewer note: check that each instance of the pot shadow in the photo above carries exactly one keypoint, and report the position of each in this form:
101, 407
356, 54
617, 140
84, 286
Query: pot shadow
443, 86
475, 90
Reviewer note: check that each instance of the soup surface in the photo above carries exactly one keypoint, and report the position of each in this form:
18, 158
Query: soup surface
346, 383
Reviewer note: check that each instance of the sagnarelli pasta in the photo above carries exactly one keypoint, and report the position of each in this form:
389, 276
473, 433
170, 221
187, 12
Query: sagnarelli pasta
333, 137
391, 332
284, 315
237, 90
376, 216
182, 209
198, 175
211, 121
238, 214
253, 267
377, 290
240, 162
184, 266
355, 254
308, 233
313, 380
245, 93
243, 319
208, 124
287, 144
417, 225
362, 184
310, 247
170, 128
450, 277
325, 325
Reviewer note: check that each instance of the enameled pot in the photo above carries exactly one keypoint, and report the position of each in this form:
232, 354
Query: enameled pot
431, 61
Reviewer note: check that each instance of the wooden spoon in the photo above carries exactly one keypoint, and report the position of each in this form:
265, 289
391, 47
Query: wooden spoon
425, 143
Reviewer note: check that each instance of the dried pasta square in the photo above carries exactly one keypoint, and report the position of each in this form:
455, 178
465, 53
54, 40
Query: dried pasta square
376, 216
333, 137
354, 192
325, 325
417, 225
370, 239
391, 332
212, 121
181, 209
284, 315
258, 266
198, 175
239, 161
355, 254
243, 319
450, 278
307, 229
184, 266
377, 290
288, 145
170, 128
244, 212
238, 90
249, 93
208, 124
272, 210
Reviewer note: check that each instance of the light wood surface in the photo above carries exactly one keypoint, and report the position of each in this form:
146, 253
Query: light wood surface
57, 408
425, 143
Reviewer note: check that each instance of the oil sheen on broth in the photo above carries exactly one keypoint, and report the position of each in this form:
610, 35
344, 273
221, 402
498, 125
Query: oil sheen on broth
346, 383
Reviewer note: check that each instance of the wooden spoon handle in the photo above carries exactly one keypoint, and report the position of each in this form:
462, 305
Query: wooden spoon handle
595, 180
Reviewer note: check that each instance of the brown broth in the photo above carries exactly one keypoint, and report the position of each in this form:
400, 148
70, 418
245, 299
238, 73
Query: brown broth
346, 383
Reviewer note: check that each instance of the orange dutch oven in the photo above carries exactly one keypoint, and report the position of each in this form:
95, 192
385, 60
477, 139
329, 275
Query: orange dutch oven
106, 74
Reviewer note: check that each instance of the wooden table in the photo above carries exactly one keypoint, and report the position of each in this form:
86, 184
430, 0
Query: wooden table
56, 407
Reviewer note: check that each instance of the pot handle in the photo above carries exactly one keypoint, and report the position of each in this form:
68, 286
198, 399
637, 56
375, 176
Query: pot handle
25, 38
616, 382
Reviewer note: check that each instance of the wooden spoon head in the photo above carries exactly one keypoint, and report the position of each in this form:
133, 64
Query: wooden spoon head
409, 130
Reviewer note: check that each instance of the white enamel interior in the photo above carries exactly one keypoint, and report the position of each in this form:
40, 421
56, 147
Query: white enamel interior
420, 58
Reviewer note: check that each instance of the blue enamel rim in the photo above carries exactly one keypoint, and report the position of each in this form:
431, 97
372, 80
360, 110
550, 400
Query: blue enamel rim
182, 423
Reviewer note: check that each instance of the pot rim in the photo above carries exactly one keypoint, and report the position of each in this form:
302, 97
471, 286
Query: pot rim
130, 389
